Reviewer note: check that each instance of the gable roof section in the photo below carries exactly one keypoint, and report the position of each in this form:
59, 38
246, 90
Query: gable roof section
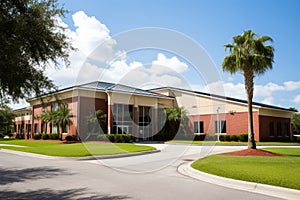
119, 88
110, 87
240, 101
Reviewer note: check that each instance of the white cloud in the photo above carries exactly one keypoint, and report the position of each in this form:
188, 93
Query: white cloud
169, 64
297, 99
292, 85
89, 32
97, 59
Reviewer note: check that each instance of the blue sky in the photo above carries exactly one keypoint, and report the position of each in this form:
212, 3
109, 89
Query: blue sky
211, 24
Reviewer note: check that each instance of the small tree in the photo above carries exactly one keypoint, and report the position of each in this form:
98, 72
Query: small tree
6, 118
296, 123
176, 118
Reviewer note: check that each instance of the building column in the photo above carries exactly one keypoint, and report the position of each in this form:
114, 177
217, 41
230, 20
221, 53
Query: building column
154, 119
109, 113
135, 122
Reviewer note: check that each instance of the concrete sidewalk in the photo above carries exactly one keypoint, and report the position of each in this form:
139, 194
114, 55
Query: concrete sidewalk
34, 155
274, 191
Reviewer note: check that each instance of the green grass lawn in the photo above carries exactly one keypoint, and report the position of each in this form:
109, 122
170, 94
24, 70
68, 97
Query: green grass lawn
75, 149
279, 171
234, 143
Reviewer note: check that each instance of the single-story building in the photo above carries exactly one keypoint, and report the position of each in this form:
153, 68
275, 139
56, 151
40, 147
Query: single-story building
128, 110
141, 112
209, 114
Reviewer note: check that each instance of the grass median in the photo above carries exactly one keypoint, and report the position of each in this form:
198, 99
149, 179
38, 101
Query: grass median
221, 143
55, 148
283, 171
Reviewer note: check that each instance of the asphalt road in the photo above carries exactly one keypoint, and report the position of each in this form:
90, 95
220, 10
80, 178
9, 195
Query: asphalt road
152, 176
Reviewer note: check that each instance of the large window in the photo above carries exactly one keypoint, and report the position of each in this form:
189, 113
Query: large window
279, 129
220, 126
36, 128
271, 128
287, 129
198, 127
145, 127
123, 119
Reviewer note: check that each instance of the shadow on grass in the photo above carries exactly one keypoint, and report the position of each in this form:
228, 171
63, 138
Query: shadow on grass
81, 194
19, 175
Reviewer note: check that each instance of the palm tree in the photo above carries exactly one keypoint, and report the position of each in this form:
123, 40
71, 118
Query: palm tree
46, 118
96, 117
62, 117
249, 55
176, 119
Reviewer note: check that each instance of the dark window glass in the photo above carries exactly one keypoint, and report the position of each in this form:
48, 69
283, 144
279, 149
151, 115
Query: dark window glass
220, 126
271, 128
279, 129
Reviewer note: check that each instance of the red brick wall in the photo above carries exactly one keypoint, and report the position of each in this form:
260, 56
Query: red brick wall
265, 129
88, 105
236, 123
72, 104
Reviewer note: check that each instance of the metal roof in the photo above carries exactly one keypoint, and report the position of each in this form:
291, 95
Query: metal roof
241, 101
113, 87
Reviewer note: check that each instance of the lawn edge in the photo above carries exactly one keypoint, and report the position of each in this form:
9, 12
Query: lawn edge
270, 190
108, 156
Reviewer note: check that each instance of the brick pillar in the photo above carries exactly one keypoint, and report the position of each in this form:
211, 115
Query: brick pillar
154, 121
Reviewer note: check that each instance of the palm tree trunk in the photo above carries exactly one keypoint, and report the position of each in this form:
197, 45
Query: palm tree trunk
249, 87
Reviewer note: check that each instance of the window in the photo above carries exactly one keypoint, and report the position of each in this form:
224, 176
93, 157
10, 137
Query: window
287, 129
145, 127
220, 126
279, 129
271, 128
36, 128
198, 127
54, 106
42, 127
123, 118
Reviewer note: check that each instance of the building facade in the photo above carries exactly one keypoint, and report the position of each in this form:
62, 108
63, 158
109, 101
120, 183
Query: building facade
22, 123
214, 114
141, 113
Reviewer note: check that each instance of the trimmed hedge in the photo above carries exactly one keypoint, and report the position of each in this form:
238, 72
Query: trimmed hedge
44, 136
69, 138
116, 138
234, 137
37, 136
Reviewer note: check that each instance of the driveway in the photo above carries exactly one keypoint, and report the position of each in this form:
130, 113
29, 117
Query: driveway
151, 176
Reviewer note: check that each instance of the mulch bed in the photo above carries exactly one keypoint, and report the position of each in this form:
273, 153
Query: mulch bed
251, 152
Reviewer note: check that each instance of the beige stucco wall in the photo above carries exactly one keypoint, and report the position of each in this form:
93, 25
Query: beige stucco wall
70, 94
275, 113
121, 98
202, 105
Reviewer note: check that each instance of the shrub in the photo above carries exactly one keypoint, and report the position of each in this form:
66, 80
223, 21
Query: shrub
199, 137
102, 137
69, 138
53, 136
243, 137
45, 136
115, 138
222, 138
234, 138
37, 136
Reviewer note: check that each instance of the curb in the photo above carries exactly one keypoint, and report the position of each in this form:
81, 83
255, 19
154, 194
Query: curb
114, 155
269, 190
34, 155
20, 153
